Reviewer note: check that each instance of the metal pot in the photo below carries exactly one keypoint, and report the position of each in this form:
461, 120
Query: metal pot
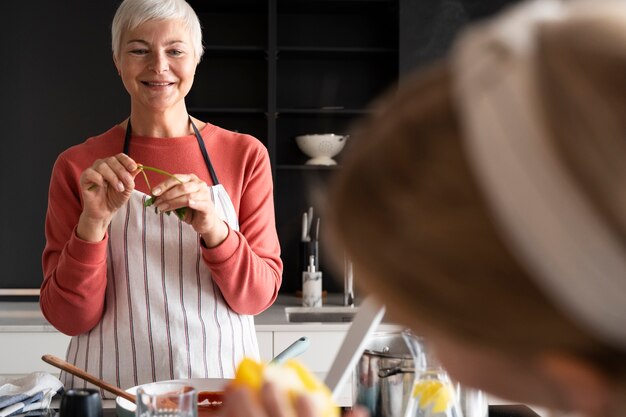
384, 375
385, 378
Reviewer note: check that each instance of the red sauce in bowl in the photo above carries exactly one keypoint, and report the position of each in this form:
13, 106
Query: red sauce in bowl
213, 402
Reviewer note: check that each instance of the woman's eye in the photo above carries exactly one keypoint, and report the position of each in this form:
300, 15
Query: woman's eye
139, 51
176, 52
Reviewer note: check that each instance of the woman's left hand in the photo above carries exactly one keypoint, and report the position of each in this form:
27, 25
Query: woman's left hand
187, 190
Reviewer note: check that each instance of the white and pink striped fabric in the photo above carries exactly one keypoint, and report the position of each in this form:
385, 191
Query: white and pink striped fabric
164, 316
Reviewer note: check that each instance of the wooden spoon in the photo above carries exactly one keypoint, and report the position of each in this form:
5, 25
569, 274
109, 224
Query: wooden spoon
68, 367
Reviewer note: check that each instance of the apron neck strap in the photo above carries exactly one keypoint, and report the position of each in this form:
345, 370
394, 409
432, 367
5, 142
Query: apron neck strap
205, 154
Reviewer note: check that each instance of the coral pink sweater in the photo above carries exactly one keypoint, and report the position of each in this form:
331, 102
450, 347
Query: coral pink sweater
246, 266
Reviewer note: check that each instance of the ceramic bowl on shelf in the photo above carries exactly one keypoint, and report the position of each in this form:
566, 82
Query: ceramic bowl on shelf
321, 147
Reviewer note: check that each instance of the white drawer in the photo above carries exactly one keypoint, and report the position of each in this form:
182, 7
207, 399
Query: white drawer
22, 351
266, 345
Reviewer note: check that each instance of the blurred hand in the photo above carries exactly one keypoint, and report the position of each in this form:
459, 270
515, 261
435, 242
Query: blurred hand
357, 411
187, 190
240, 402
105, 187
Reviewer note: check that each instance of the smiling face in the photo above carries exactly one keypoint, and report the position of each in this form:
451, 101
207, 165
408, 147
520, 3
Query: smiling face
157, 65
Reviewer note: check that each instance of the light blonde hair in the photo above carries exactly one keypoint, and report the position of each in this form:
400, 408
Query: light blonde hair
132, 13
408, 209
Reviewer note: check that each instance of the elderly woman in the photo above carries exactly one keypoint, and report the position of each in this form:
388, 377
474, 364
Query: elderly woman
149, 296
485, 204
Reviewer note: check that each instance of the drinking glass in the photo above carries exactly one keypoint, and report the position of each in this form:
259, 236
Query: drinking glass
434, 393
166, 399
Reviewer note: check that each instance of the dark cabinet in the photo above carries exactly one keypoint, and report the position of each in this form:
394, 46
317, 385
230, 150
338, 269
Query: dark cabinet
281, 68
231, 83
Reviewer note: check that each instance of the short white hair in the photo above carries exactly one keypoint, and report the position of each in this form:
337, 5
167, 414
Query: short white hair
132, 13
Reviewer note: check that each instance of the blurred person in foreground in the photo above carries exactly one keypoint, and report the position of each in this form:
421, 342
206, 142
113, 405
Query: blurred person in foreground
484, 202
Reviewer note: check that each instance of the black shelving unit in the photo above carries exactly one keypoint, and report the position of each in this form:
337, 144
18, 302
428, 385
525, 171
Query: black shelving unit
230, 87
281, 68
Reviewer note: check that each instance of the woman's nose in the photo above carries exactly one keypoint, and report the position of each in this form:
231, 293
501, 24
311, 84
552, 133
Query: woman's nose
158, 63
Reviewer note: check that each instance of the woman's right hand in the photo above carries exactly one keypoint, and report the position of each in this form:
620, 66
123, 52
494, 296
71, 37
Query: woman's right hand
240, 402
105, 187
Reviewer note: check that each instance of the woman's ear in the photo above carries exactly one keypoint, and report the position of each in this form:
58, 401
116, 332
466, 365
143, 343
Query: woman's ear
117, 67
582, 386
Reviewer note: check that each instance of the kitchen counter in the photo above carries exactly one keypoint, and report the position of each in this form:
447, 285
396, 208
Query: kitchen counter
26, 319
28, 335
18, 316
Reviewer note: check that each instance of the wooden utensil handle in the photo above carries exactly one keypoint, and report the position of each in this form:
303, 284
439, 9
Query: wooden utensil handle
68, 367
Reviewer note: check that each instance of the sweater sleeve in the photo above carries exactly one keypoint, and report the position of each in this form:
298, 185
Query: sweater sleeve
72, 293
247, 266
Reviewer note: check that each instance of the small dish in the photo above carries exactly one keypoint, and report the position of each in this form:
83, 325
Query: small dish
125, 408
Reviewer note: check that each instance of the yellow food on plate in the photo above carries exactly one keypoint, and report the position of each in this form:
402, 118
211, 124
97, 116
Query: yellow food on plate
436, 393
291, 377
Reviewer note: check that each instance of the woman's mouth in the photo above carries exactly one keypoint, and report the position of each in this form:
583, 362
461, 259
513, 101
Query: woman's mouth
157, 84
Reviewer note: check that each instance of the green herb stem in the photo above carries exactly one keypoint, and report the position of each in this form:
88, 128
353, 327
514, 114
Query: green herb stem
145, 177
159, 171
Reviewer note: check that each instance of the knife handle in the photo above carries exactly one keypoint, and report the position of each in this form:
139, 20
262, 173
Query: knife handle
293, 350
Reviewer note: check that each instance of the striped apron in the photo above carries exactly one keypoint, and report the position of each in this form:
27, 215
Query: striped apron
164, 317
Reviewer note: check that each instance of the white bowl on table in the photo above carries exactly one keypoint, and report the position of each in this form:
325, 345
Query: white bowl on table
321, 147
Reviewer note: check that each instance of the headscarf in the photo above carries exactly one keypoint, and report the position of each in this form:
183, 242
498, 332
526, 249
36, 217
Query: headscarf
543, 214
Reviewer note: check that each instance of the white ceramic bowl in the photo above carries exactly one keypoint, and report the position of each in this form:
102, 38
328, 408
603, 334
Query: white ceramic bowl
321, 147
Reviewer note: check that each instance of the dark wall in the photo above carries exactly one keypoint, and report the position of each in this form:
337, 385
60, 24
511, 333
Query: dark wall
59, 86
428, 28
